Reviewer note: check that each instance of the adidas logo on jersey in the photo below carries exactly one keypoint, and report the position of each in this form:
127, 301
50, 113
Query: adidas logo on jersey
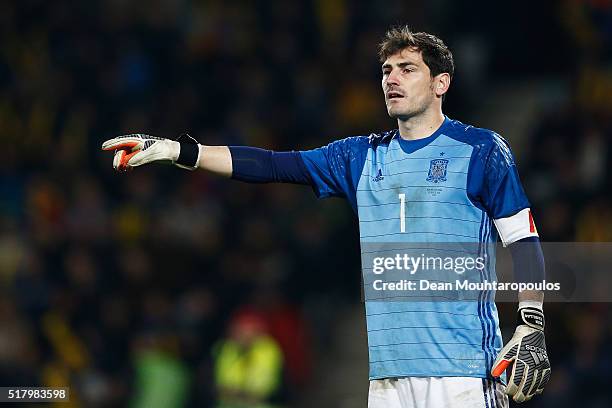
379, 176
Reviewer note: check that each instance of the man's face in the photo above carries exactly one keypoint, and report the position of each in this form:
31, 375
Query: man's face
407, 84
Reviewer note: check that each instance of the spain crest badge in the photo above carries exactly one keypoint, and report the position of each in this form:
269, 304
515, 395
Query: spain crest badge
437, 170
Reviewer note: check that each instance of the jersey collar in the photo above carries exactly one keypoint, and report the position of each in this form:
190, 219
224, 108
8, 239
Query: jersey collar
411, 146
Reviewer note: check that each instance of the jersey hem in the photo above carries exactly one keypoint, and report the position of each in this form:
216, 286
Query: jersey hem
403, 375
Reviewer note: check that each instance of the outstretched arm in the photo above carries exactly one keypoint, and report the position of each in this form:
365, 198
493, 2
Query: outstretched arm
332, 170
248, 164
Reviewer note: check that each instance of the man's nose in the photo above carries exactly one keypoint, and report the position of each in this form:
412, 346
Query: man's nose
392, 79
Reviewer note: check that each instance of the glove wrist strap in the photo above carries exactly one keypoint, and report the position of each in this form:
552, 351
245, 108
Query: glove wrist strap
531, 317
189, 153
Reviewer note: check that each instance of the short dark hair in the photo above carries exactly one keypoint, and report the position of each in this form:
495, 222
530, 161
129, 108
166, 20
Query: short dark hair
436, 54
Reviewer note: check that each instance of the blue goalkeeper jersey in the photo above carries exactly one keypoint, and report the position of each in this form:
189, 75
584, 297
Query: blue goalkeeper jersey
454, 183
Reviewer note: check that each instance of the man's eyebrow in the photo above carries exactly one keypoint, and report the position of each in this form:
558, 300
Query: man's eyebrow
401, 64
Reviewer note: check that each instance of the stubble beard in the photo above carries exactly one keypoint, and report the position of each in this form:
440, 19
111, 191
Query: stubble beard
415, 108
408, 112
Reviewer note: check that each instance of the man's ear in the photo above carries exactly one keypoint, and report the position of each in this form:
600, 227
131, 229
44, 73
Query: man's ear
441, 84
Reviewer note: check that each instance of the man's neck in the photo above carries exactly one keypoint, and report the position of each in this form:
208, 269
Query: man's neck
421, 126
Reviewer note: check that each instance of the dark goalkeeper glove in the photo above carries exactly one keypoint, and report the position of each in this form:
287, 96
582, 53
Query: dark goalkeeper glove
138, 149
527, 349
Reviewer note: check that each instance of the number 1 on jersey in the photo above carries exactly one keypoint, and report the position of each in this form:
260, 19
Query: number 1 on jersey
402, 215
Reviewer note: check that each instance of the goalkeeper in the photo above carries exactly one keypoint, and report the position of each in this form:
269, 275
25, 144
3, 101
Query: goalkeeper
461, 184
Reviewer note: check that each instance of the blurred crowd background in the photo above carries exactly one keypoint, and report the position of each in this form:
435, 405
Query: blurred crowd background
164, 288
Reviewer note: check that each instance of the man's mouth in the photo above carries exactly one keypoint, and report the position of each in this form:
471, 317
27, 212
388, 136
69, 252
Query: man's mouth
394, 95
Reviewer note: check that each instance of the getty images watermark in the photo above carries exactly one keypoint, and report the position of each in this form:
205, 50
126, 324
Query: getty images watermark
574, 272
459, 265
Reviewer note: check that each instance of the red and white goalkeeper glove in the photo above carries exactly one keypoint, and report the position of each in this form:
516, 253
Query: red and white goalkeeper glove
138, 149
527, 350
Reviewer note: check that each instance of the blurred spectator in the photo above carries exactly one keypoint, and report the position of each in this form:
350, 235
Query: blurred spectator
248, 363
161, 378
